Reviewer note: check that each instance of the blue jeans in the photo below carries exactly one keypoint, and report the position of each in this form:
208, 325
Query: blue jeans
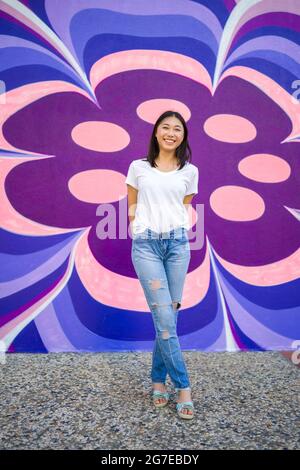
161, 262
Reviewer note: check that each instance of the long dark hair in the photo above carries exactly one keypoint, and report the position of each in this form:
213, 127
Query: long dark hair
183, 151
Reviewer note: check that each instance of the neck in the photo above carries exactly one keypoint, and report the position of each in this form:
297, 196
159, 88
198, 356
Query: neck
167, 157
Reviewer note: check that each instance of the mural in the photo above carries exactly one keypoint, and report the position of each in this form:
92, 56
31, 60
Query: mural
81, 85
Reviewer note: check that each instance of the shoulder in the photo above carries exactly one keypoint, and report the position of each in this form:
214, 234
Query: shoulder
140, 166
140, 162
191, 168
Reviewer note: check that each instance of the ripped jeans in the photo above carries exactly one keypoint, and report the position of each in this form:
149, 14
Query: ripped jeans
161, 262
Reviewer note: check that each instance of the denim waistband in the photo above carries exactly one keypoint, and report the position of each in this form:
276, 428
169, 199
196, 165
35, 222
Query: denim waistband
180, 232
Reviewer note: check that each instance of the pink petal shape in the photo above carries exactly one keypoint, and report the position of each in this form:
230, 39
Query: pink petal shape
230, 128
150, 110
150, 60
265, 168
100, 136
98, 186
237, 203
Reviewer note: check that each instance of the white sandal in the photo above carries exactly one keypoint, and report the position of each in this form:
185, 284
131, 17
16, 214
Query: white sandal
184, 405
157, 394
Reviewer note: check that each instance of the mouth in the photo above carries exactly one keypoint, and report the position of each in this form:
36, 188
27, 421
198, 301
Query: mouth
169, 141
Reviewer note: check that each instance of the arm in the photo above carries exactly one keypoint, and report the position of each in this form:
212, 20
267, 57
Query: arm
192, 189
187, 200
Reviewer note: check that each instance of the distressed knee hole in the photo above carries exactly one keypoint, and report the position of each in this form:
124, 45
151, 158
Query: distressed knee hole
155, 284
176, 305
155, 305
165, 334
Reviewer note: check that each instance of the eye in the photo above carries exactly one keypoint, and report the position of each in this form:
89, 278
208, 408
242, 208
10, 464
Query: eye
176, 129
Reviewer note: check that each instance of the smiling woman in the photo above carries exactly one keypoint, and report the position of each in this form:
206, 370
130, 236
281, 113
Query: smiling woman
157, 190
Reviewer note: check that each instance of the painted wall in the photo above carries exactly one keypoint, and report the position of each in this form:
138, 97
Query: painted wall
82, 83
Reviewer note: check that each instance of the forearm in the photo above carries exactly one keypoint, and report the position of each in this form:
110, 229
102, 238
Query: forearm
187, 201
131, 212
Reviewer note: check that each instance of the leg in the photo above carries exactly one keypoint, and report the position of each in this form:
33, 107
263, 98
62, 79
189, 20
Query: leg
151, 273
159, 370
176, 267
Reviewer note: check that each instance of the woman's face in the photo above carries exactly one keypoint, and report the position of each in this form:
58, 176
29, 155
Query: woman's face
170, 134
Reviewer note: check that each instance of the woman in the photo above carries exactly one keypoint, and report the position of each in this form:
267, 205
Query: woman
160, 187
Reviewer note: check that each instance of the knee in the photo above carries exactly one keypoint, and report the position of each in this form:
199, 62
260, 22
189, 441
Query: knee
165, 334
165, 320
155, 284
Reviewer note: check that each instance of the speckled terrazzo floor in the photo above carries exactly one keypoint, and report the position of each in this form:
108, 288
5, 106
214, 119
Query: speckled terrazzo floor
246, 400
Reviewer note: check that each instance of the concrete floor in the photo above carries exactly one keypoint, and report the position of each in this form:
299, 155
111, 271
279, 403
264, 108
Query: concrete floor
244, 400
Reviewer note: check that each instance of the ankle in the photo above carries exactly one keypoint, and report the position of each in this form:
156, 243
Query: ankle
184, 395
159, 386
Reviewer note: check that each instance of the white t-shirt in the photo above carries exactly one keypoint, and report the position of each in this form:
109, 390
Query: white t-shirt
160, 195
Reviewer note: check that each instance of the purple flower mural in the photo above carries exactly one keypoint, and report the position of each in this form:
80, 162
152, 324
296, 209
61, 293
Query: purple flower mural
82, 88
